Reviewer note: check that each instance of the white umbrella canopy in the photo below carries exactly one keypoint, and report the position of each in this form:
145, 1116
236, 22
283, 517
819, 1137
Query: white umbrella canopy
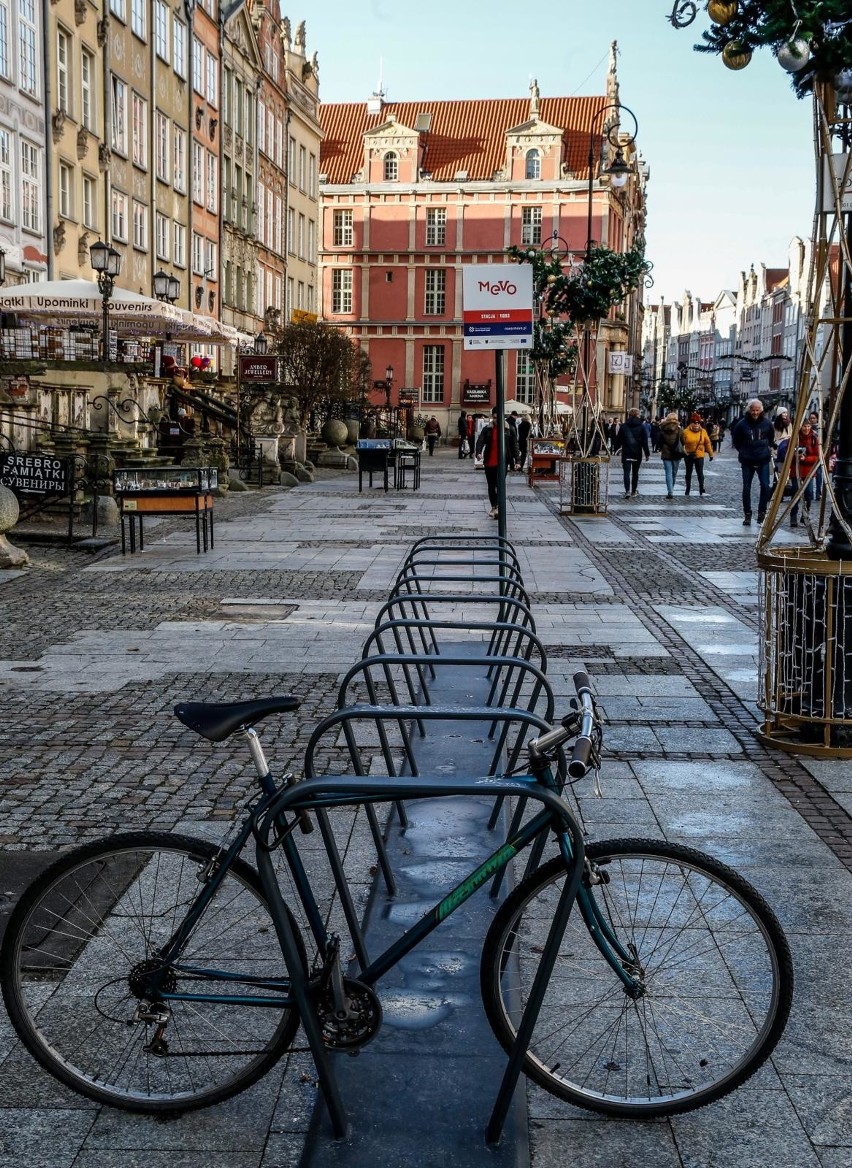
64, 302
521, 407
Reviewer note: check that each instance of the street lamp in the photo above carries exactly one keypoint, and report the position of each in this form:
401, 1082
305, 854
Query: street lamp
261, 344
2, 266
619, 170
166, 286
106, 263
388, 384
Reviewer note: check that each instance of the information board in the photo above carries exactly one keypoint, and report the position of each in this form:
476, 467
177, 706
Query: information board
34, 473
497, 306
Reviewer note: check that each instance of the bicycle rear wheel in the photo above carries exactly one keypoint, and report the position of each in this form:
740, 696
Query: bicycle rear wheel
80, 944
715, 969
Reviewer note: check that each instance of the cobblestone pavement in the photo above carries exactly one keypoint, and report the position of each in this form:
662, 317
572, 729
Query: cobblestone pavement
657, 600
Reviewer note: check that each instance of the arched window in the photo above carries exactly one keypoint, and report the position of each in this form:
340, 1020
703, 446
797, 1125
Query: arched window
533, 164
391, 167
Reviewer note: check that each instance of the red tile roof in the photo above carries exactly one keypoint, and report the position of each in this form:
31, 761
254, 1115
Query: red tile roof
464, 135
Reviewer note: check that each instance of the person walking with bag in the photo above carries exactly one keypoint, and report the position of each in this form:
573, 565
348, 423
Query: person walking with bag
632, 441
753, 438
487, 447
671, 450
805, 458
463, 446
432, 430
697, 444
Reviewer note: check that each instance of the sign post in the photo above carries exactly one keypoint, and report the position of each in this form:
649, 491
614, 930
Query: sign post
497, 311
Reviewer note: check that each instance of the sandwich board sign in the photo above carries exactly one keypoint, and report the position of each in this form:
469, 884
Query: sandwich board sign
497, 306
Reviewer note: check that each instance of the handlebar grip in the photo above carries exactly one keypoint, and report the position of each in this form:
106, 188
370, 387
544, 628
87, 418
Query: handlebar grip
580, 757
581, 681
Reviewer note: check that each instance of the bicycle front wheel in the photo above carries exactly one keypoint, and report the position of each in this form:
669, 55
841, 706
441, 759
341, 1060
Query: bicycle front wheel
712, 962
86, 936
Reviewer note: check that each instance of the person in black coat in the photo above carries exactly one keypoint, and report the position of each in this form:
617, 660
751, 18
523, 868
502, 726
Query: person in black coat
463, 447
632, 441
524, 427
753, 437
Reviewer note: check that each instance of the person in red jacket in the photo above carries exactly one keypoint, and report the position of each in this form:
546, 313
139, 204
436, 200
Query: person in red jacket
805, 458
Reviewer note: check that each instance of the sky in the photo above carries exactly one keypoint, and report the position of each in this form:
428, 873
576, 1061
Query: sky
730, 153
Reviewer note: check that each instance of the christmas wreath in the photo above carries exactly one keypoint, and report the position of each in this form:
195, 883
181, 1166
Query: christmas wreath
812, 39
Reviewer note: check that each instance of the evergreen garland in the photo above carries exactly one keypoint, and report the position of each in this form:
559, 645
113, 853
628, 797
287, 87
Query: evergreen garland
825, 24
586, 293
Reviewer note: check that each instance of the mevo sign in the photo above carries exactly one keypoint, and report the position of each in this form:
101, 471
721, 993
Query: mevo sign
258, 368
34, 473
497, 306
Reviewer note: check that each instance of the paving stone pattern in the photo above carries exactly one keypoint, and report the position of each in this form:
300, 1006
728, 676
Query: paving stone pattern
657, 600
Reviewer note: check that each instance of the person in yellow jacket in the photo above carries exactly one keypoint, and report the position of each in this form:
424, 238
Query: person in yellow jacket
696, 446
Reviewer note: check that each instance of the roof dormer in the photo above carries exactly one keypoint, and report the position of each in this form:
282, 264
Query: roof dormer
392, 153
534, 148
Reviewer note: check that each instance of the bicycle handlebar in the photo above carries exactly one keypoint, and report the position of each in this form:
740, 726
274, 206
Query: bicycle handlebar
581, 755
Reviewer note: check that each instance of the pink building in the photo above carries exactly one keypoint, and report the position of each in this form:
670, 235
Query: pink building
411, 191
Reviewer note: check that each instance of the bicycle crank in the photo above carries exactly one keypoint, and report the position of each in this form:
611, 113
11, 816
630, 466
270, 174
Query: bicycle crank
354, 1022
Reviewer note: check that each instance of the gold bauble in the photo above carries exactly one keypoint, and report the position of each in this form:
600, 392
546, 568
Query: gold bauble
735, 55
722, 11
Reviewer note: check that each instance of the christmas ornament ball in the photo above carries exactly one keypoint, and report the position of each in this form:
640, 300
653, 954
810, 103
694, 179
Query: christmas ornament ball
735, 55
794, 55
843, 86
722, 11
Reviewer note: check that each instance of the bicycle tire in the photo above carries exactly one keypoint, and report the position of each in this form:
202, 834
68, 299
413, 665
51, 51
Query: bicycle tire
89, 921
718, 982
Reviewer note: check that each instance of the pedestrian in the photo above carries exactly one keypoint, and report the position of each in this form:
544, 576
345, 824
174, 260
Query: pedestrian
697, 445
655, 436
813, 418
671, 449
753, 437
471, 433
462, 426
368, 426
805, 458
782, 425
487, 448
432, 430
524, 427
513, 422
714, 433
632, 441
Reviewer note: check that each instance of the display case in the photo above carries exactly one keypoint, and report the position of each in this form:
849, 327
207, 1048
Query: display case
165, 490
545, 457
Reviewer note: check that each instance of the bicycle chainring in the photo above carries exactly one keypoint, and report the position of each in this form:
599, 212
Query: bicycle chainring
363, 1020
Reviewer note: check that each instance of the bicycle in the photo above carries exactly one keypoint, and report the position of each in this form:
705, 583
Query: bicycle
159, 973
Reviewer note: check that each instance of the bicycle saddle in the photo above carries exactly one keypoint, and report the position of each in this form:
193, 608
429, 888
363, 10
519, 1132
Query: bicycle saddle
218, 720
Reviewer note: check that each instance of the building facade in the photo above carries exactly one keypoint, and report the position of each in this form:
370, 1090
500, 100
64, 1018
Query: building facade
412, 192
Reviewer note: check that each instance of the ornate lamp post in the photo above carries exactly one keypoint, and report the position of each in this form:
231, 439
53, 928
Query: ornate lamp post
166, 286
2, 267
619, 170
388, 384
261, 344
106, 263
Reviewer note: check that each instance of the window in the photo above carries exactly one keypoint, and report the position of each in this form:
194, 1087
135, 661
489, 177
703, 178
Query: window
63, 70
179, 249
161, 130
27, 71
433, 373
341, 290
303, 161
533, 169
4, 39
65, 190
261, 127
343, 229
212, 182
525, 379
6, 203
212, 80
140, 131
119, 215
161, 29
197, 173
119, 115
312, 241
140, 225
312, 175
179, 159
436, 226
197, 65
301, 237
179, 48
30, 187
161, 236
300, 294
289, 305
291, 230
87, 89
211, 259
90, 201
436, 292
118, 8
531, 225
291, 159
197, 254
137, 18
391, 167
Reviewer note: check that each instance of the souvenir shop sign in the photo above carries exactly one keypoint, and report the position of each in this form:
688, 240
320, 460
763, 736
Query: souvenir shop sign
34, 473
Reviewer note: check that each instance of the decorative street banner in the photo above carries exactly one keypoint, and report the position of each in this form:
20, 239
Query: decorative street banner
258, 368
620, 362
35, 473
497, 306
